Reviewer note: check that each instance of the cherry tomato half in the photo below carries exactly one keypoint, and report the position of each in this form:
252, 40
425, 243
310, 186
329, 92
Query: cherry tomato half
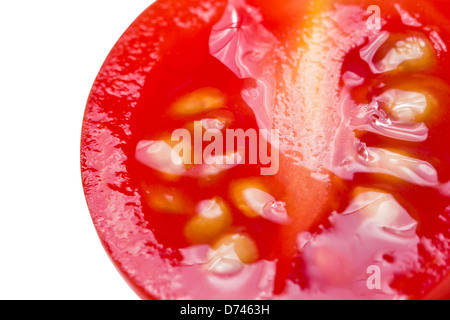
251, 149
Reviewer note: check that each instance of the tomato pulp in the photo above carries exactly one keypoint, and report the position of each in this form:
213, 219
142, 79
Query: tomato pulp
340, 187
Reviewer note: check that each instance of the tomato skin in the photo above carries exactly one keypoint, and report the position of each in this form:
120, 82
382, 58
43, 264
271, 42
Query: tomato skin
108, 133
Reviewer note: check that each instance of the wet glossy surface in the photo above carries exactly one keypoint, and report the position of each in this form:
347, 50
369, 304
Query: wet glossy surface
364, 168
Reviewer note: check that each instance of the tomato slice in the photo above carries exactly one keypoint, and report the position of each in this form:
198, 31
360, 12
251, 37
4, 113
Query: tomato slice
340, 185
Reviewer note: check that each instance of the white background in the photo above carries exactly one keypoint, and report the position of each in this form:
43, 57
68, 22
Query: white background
50, 53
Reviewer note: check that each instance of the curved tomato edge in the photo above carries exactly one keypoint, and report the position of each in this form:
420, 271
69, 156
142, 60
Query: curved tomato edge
88, 179
85, 175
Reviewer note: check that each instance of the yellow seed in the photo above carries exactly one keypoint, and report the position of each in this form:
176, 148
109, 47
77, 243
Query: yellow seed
212, 218
406, 53
215, 120
199, 101
241, 244
250, 196
379, 208
165, 199
405, 106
